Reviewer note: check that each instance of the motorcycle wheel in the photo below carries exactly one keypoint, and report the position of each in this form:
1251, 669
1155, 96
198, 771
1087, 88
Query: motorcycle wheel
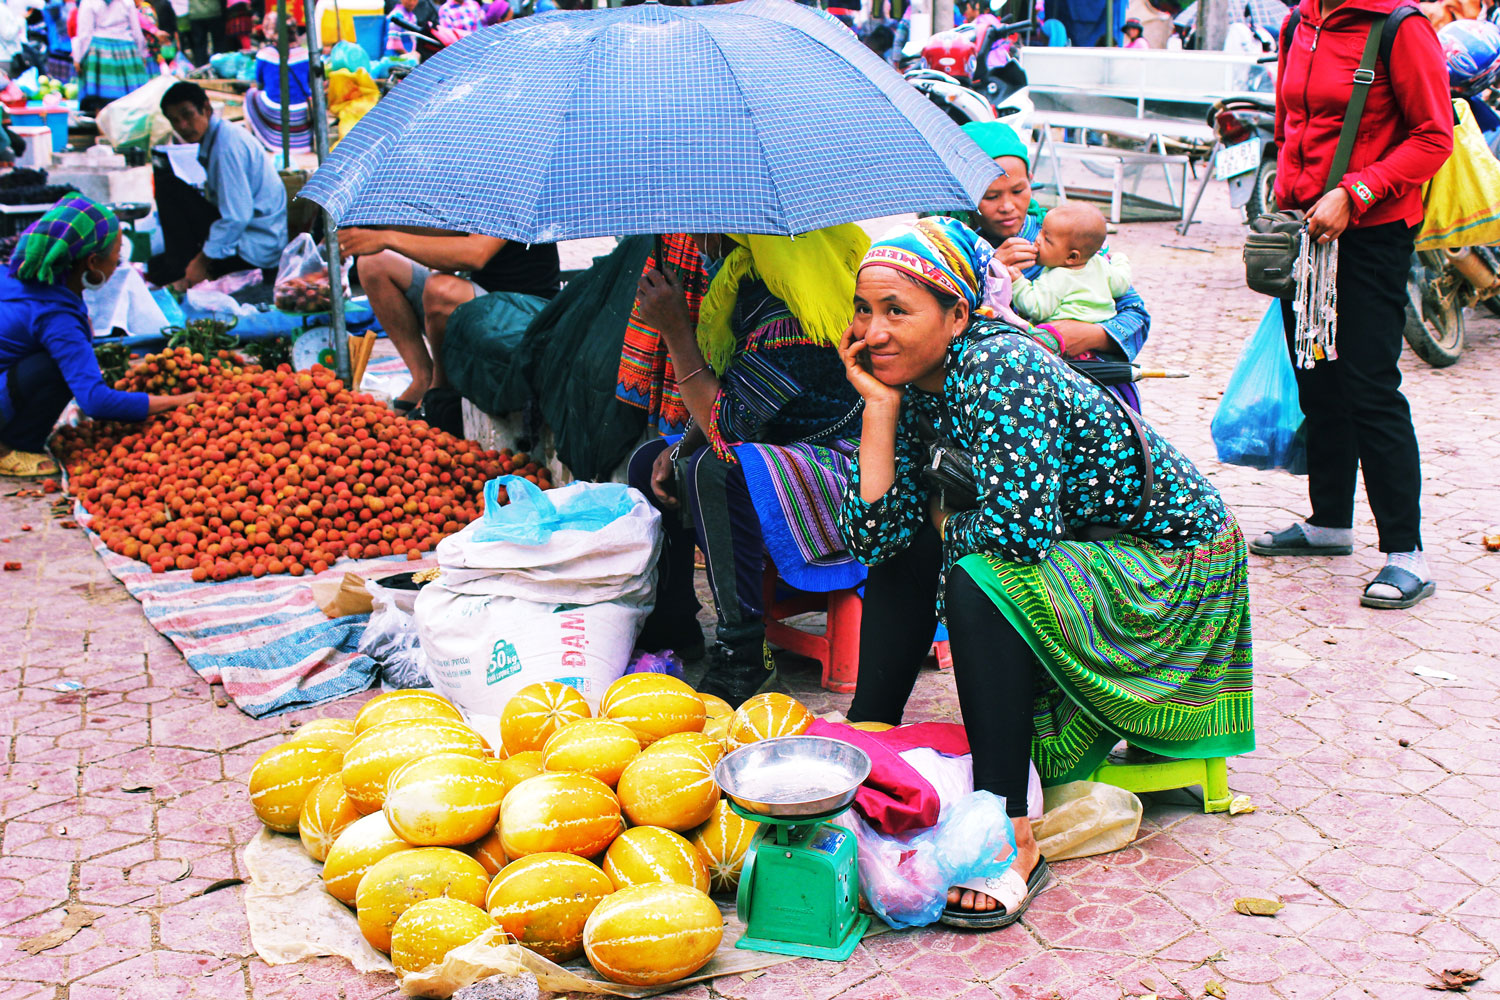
1434, 328
1263, 194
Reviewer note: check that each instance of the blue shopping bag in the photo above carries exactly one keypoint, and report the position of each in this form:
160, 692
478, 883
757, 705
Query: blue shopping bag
1259, 420
531, 516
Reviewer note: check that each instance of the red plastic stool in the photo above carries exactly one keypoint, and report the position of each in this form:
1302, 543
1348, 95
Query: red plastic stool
837, 649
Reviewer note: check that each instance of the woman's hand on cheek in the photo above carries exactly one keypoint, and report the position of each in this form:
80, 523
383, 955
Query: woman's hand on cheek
855, 353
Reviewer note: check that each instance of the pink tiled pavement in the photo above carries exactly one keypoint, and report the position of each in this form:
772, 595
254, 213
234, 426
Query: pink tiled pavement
1378, 790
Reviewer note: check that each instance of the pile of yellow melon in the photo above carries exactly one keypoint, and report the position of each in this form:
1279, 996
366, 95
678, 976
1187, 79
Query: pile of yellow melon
579, 835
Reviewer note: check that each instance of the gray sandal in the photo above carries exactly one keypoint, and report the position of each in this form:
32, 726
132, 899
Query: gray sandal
1293, 542
1413, 589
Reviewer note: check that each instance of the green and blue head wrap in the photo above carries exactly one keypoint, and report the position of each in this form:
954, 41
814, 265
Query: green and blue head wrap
937, 251
74, 228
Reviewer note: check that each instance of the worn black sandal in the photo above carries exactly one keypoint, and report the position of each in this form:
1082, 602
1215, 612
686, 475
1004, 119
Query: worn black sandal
1293, 542
1413, 589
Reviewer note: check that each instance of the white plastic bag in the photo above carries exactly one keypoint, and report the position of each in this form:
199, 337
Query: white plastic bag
553, 586
390, 639
136, 120
125, 303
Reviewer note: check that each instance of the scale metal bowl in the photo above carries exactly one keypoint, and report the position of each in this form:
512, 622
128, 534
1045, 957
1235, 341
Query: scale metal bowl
793, 776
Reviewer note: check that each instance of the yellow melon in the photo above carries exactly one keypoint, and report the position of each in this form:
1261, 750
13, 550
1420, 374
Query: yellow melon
283, 777
871, 727
714, 706
334, 732
395, 706
673, 788
717, 728
566, 813
395, 882
536, 712
517, 768
326, 813
645, 854
430, 928
646, 935
766, 715
723, 841
378, 751
707, 745
489, 851
653, 705
363, 842
444, 800
599, 748
544, 901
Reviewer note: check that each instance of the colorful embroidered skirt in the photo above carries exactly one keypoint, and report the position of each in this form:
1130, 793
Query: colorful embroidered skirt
112, 68
1140, 643
796, 490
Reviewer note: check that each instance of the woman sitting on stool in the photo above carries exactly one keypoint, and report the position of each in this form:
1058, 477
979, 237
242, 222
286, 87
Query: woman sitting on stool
1062, 646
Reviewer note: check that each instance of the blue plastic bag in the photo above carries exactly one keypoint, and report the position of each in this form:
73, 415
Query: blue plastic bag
531, 518
906, 880
1259, 420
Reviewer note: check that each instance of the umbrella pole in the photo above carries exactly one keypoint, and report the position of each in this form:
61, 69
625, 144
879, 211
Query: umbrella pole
283, 49
317, 108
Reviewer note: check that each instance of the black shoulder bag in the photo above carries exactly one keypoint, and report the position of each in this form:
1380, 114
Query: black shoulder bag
1271, 248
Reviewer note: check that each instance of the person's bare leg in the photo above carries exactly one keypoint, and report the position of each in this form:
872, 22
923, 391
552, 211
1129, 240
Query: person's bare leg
385, 277
1027, 856
443, 294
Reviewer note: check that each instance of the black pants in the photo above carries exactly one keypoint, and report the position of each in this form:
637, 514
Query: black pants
38, 395
993, 667
1356, 415
186, 217
718, 516
203, 32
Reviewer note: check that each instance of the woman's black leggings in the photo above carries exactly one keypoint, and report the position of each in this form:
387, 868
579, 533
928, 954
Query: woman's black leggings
993, 666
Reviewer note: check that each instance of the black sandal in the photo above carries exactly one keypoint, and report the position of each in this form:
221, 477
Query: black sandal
403, 406
1413, 589
1293, 542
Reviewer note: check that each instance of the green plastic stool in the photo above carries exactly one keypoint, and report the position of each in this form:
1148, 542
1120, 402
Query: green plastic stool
1138, 771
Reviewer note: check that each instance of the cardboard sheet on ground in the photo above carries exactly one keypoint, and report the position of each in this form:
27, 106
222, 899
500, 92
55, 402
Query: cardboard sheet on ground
291, 918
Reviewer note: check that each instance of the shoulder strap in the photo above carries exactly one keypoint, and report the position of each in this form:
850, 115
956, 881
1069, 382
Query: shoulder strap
1392, 22
1363, 77
1289, 28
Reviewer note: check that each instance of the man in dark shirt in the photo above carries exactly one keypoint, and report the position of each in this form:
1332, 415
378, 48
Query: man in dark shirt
409, 276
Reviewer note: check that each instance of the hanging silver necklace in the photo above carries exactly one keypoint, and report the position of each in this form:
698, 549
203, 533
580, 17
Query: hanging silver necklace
1316, 303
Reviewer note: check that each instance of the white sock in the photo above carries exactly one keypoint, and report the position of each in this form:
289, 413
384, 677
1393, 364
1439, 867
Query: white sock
1326, 536
1414, 562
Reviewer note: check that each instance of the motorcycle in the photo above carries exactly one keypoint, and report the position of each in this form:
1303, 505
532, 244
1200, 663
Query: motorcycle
944, 68
1246, 130
1443, 283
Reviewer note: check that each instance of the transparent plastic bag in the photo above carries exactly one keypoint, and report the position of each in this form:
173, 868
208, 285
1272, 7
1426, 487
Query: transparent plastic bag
302, 282
1259, 420
906, 879
391, 640
531, 518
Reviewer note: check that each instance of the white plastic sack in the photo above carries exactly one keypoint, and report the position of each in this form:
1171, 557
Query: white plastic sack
136, 120
124, 302
552, 602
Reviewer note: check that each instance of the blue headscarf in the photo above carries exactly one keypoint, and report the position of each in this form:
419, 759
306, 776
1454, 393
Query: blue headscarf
940, 252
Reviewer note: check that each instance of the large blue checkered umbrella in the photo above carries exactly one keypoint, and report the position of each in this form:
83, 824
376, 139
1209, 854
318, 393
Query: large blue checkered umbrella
756, 117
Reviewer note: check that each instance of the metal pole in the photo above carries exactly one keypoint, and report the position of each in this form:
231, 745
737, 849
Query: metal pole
1109, 24
317, 108
283, 48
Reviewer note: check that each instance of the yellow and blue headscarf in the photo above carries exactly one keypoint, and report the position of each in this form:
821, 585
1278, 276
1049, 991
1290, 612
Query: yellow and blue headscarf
74, 228
938, 251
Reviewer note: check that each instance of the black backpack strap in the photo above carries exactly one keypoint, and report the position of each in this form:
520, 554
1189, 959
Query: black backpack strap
1363, 77
1289, 28
1392, 22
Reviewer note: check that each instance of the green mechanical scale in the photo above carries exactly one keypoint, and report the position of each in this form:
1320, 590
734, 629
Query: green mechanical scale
799, 885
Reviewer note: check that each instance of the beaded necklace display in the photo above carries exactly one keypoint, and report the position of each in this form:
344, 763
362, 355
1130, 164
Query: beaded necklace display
1316, 302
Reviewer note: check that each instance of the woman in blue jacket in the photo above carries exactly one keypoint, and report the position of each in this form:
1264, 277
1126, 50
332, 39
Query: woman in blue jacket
46, 340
